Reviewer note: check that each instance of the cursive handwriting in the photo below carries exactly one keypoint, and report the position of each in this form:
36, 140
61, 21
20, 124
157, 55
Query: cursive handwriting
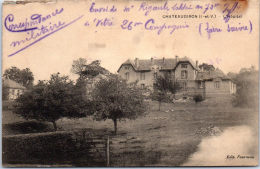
93, 8
48, 32
28, 24
148, 8
211, 30
229, 10
103, 22
151, 25
229, 28
39, 26
130, 24
240, 28
33, 34
210, 7
181, 6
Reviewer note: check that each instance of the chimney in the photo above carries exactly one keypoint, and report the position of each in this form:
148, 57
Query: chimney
136, 62
177, 58
163, 60
151, 60
197, 64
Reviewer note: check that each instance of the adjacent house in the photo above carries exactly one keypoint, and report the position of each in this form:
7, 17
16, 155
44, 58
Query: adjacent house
215, 83
12, 89
184, 71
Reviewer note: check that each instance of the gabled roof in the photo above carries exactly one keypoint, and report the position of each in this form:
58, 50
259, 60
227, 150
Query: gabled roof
12, 84
186, 59
209, 75
163, 64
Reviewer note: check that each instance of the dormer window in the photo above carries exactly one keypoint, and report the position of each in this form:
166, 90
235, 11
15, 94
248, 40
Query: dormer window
184, 65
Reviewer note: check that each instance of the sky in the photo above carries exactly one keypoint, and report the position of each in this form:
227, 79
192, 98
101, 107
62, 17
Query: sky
113, 45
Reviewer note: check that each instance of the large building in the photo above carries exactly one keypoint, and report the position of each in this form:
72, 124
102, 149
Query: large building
184, 71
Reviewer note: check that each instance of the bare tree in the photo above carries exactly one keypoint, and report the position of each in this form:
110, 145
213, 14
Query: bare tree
78, 66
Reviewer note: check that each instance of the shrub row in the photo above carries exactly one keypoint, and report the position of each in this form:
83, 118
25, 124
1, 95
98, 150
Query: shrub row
47, 148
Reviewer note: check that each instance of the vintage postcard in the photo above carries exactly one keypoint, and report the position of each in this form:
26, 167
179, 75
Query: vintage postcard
130, 83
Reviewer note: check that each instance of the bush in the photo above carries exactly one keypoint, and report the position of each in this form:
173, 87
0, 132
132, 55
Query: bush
8, 104
198, 98
51, 100
73, 148
35, 148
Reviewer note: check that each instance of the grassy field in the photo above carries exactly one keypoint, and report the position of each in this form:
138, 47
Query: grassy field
164, 138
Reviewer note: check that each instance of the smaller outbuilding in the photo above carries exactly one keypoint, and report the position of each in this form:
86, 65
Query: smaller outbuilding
215, 83
13, 89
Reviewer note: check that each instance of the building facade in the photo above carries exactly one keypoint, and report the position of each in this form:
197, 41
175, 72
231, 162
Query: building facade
184, 71
13, 89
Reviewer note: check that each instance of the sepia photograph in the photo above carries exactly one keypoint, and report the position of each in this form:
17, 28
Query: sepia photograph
127, 83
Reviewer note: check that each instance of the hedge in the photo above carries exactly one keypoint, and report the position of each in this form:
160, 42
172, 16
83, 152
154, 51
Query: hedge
50, 148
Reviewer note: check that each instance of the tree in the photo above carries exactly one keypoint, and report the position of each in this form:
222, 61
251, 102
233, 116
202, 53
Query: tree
78, 66
159, 96
81, 84
163, 85
51, 100
24, 76
247, 88
85, 70
232, 75
116, 100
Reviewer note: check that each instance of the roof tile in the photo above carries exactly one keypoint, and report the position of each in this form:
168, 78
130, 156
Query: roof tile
12, 84
164, 63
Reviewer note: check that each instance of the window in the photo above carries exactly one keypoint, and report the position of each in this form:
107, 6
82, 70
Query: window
184, 65
12, 91
217, 84
142, 76
126, 67
184, 85
127, 75
18, 92
155, 75
184, 74
142, 86
200, 84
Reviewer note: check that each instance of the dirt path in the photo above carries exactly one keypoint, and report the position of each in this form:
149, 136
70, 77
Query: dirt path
235, 146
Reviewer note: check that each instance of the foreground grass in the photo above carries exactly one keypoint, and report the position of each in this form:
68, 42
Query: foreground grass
166, 137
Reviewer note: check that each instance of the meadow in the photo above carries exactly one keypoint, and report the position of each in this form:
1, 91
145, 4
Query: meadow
159, 138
